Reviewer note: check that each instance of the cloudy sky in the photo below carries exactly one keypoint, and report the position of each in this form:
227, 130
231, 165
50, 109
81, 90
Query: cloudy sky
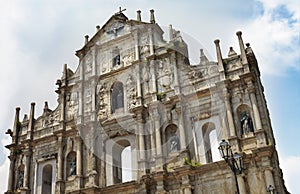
38, 37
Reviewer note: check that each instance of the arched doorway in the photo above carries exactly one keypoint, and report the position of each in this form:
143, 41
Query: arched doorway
122, 168
210, 138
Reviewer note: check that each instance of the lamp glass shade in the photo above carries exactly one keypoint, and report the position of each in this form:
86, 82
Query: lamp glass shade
224, 149
238, 163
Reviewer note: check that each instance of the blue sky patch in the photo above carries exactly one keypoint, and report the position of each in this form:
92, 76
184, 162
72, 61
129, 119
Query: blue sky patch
281, 12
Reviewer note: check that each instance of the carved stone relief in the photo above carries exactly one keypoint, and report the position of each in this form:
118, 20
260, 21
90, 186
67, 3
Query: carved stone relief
144, 43
146, 79
102, 61
234, 64
165, 75
88, 63
102, 105
128, 57
131, 92
195, 74
72, 104
88, 100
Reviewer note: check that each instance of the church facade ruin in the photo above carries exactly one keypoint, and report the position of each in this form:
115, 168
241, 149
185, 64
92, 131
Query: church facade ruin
137, 116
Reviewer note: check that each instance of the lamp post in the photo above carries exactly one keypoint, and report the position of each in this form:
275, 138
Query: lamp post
233, 160
270, 189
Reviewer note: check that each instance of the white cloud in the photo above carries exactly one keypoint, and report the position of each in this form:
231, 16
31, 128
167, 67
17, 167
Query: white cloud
276, 37
291, 172
4, 168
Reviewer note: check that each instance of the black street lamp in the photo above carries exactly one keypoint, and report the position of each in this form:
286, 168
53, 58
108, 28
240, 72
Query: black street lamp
233, 160
270, 189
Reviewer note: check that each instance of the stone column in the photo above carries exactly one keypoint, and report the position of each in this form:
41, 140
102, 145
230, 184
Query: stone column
229, 115
137, 50
220, 60
181, 128
141, 141
31, 122
157, 136
152, 140
60, 160
79, 162
153, 77
241, 184
27, 169
125, 98
79, 156
15, 136
142, 151
92, 164
94, 67
176, 76
151, 41
256, 114
11, 175
224, 128
243, 52
269, 179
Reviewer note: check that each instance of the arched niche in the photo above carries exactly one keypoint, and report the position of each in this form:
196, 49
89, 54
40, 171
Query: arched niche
20, 177
245, 122
117, 96
71, 164
116, 59
171, 139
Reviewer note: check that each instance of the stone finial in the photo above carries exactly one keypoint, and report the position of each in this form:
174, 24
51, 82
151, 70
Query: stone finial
86, 37
16, 124
171, 34
248, 49
31, 121
46, 107
32, 105
152, 19
98, 27
203, 58
231, 52
138, 15
220, 60
242, 48
218, 50
25, 118
65, 71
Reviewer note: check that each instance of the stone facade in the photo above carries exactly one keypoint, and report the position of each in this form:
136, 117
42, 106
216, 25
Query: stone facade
133, 89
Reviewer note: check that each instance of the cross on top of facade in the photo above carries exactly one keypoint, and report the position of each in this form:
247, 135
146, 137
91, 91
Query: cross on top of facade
120, 11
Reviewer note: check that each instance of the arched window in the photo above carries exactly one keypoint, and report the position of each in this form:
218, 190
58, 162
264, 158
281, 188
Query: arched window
47, 179
171, 138
210, 142
71, 164
122, 169
117, 96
